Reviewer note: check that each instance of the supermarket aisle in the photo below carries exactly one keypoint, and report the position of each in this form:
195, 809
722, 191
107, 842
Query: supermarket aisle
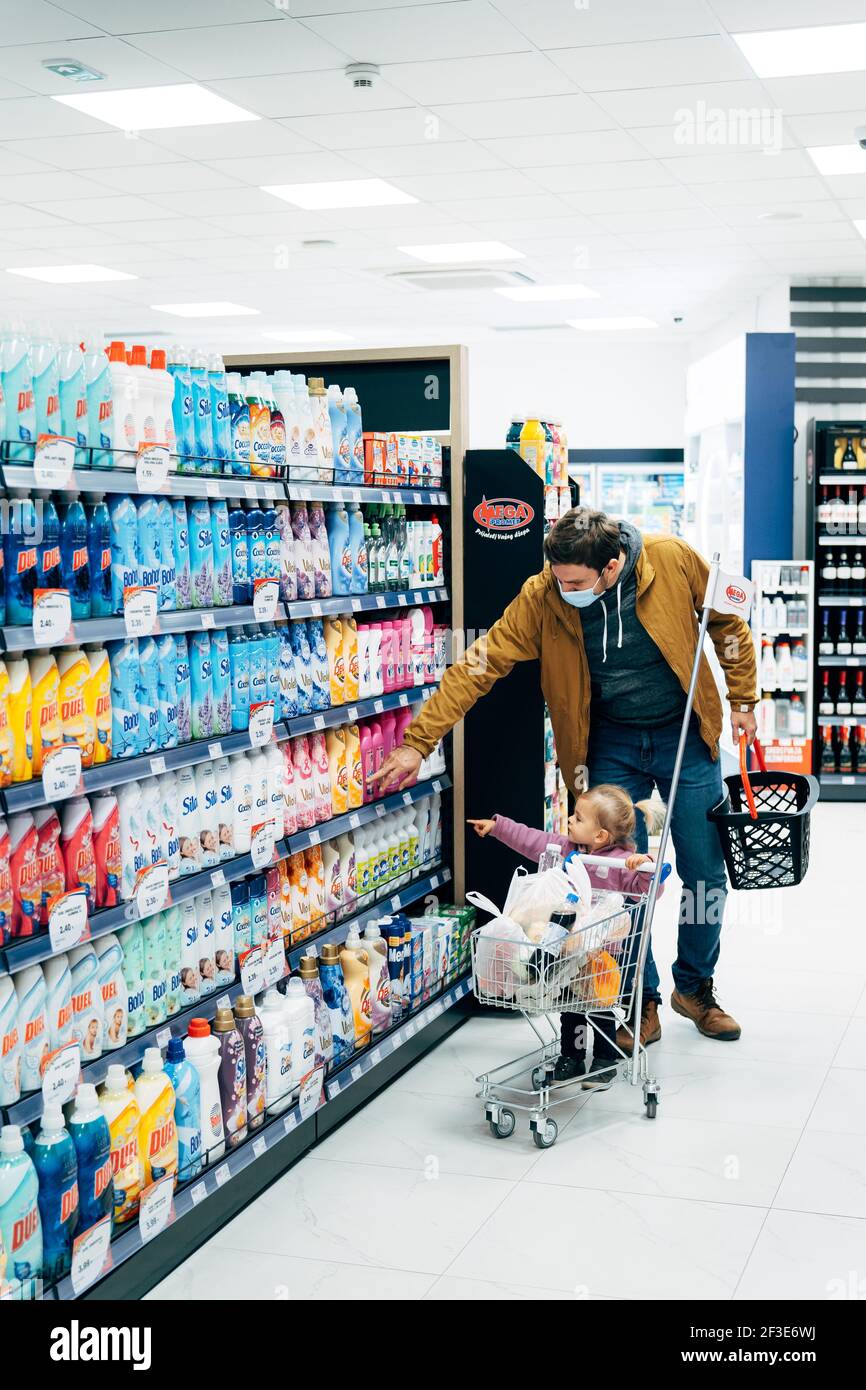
750, 1184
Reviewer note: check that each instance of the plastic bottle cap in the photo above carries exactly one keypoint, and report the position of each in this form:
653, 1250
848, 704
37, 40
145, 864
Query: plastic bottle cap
138, 356
116, 1078
152, 1060
10, 1140
157, 359
85, 1096
52, 1118
295, 986
308, 968
198, 1028
224, 1021
244, 1006
117, 351
175, 1052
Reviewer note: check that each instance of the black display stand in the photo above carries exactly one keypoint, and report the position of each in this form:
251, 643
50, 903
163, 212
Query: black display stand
503, 534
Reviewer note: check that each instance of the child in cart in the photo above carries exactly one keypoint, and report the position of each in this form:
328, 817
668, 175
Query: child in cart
603, 824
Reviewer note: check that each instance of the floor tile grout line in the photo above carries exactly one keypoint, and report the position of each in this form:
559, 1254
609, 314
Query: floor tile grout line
317, 1259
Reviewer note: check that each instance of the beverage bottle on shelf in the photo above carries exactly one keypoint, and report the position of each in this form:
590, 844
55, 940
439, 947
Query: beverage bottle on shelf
828, 573
780, 614
858, 572
846, 760
824, 511
859, 642
768, 665
861, 515
784, 666
837, 511
858, 699
843, 572
766, 717
860, 748
843, 698
796, 718
843, 637
826, 644
850, 513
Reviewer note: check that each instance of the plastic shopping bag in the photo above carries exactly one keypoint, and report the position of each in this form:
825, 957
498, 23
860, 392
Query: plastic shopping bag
502, 952
534, 898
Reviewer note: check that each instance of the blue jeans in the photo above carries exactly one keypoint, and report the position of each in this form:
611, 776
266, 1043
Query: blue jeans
638, 759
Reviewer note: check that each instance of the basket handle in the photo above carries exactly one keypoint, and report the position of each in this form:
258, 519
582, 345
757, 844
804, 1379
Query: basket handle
744, 772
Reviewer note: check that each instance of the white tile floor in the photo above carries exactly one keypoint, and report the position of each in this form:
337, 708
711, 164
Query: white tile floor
751, 1183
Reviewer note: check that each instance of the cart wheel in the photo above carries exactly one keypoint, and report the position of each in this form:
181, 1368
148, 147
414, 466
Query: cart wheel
652, 1106
547, 1138
503, 1128
539, 1078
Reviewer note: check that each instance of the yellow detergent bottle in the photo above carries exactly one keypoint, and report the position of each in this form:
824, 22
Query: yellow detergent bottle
20, 705
5, 729
533, 445
354, 766
338, 771
47, 732
157, 1131
120, 1109
336, 665
97, 702
74, 675
350, 658
356, 973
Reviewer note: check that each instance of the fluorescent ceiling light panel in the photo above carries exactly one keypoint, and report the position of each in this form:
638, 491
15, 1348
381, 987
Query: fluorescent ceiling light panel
455, 252
547, 294
340, 193
307, 335
215, 309
69, 274
610, 324
158, 108
838, 159
805, 52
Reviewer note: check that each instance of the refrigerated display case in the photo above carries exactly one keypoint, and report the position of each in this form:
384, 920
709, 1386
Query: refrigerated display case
645, 487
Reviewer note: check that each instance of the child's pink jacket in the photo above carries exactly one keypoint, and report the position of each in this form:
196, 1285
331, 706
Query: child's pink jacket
530, 843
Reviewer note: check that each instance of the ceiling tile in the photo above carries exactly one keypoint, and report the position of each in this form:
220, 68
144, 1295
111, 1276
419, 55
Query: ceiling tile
315, 167
433, 157
115, 209
847, 185
747, 15
630, 173
51, 184
755, 192
668, 239
637, 199
538, 151
826, 128
670, 141
497, 209
470, 28
555, 232
491, 183
801, 231
12, 163
278, 45
477, 79
310, 8
16, 215
32, 117
236, 141
171, 229
487, 120
123, 66
36, 22
182, 176
753, 216
665, 105
838, 91
407, 126
62, 235
211, 203
614, 66
714, 168
307, 94
659, 219
562, 24
131, 17
91, 151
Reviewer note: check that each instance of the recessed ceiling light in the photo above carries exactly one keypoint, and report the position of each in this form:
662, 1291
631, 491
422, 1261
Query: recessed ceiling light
339, 193
214, 309
69, 274
456, 251
543, 294
780, 216
838, 159
803, 52
307, 335
604, 325
159, 108
860, 224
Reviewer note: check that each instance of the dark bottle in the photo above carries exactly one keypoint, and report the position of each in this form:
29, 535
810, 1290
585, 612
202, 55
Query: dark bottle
826, 646
843, 573
828, 752
846, 761
859, 643
828, 573
843, 698
843, 636
826, 703
860, 749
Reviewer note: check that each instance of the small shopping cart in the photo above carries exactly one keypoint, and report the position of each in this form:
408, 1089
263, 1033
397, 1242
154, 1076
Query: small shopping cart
598, 969
763, 825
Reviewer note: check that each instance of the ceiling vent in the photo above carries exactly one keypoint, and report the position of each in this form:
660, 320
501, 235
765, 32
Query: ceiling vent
479, 278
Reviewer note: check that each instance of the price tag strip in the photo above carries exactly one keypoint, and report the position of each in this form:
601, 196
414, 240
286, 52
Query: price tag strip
156, 1208
261, 723
311, 1092
91, 1255
151, 889
52, 617
266, 593
139, 609
151, 467
54, 460
67, 919
253, 970
262, 841
60, 1073
274, 964
61, 772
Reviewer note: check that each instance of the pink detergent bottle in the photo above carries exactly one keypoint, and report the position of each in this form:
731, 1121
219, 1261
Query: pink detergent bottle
388, 658
303, 782
408, 676
388, 722
290, 810
366, 759
321, 777
377, 681
429, 673
378, 756
404, 719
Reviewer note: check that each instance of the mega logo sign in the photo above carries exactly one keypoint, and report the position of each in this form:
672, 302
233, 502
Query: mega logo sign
502, 516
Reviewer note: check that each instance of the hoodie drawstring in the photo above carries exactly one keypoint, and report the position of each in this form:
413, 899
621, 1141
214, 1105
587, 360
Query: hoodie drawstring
619, 619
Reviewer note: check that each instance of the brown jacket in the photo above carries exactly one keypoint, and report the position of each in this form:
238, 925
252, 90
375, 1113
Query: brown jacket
671, 581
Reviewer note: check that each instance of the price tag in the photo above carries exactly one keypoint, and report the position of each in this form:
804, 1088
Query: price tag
289, 1122
67, 919
318, 721
139, 609
311, 1092
403, 599
380, 601
404, 700
215, 750
163, 1037
354, 494
437, 785
375, 1058
151, 889
253, 971
407, 798
224, 1002
90, 1255
60, 1073
260, 1146
266, 593
354, 820
250, 491
151, 467
408, 1031
378, 706
272, 492
386, 497
357, 1072
262, 844
54, 461
61, 772
156, 1208
274, 964
261, 722
334, 1088
198, 1193
357, 605
212, 488
436, 1011
380, 810
352, 715
157, 765
395, 903
217, 878
316, 610
417, 498
52, 617
315, 836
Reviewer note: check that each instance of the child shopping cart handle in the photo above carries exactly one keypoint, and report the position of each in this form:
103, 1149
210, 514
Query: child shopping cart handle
605, 863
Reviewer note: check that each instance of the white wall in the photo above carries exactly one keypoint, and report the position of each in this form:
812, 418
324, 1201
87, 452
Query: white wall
608, 394
768, 312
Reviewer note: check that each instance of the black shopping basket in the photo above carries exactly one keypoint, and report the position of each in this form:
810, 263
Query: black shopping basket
763, 825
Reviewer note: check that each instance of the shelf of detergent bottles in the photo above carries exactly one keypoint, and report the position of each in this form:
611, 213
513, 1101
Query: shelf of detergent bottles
187, 1196
29, 1107
23, 951
25, 796
15, 638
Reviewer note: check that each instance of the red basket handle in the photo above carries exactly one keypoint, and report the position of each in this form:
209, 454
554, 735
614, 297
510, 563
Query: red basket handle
744, 772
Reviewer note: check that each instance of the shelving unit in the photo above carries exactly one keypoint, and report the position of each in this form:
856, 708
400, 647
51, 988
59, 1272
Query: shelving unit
789, 583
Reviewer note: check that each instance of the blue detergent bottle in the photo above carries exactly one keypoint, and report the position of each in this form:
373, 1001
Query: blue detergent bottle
303, 666
100, 402
183, 687
75, 559
340, 549
16, 377
182, 574
149, 548
187, 1109
242, 588
319, 672
256, 543
20, 553
223, 585
258, 665
288, 679
73, 397
239, 661
177, 362
166, 651
354, 434
239, 412
201, 685
339, 425
20, 1224
92, 1139
339, 1004
46, 382
202, 413
49, 574
221, 680
99, 555
358, 551
201, 554
273, 544
123, 659
125, 562
272, 662
57, 1169
167, 568
220, 413
148, 696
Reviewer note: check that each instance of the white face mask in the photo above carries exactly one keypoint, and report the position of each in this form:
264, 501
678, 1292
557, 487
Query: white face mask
580, 598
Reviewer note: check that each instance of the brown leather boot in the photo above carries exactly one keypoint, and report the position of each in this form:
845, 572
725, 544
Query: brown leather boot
650, 1028
706, 1013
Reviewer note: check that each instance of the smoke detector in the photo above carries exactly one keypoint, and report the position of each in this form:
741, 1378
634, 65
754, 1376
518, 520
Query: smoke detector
363, 75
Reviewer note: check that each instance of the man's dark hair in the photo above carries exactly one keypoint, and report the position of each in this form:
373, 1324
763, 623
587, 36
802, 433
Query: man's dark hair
583, 537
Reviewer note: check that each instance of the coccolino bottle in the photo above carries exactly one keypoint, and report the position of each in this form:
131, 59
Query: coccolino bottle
242, 589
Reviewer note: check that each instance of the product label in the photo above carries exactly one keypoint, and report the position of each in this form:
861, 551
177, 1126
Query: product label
139, 609
91, 1255
311, 1092
274, 964
156, 1208
52, 617
60, 1073
54, 461
262, 844
253, 970
265, 596
67, 919
151, 468
151, 888
61, 772
261, 722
